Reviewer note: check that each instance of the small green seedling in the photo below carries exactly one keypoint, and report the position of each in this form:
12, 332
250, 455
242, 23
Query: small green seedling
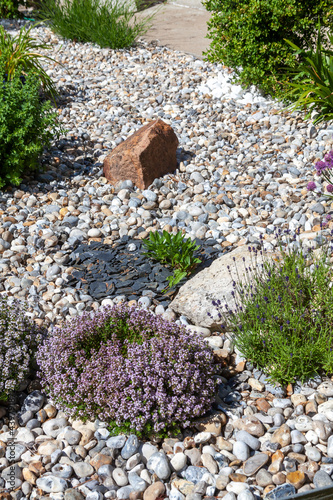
174, 251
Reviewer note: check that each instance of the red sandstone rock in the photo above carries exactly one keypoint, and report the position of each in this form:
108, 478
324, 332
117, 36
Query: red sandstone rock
147, 154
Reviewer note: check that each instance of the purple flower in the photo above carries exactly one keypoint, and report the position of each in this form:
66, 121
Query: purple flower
311, 186
329, 159
321, 166
329, 188
128, 366
19, 338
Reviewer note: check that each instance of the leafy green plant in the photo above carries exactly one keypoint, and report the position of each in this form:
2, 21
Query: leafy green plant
248, 35
27, 125
173, 250
312, 85
9, 8
108, 23
284, 314
20, 53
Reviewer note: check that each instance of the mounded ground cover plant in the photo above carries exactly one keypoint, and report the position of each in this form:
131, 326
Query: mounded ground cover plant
108, 23
283, 321
249, 36
130, 368
19, 338
27, 126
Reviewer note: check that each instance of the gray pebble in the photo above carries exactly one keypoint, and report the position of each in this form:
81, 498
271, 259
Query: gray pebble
131, 447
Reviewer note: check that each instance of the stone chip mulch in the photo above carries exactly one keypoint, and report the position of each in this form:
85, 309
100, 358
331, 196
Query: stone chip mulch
242, 172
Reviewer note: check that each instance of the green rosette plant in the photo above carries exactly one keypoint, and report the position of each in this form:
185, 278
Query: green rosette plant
174, 251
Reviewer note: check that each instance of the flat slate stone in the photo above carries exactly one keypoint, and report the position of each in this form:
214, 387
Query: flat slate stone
103, 270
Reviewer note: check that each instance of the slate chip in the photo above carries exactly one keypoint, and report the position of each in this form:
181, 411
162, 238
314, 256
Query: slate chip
104, 270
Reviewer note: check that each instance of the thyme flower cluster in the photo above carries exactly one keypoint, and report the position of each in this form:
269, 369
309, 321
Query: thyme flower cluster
19, 338
127, 366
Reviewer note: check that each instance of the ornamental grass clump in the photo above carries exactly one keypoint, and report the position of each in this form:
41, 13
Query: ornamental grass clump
283, 319
21, 54
312, 80
107, 23
130, 368
19, 338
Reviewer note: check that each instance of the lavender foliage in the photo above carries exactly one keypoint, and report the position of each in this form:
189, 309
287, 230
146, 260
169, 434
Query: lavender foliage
19, 338
127, 366
283, 317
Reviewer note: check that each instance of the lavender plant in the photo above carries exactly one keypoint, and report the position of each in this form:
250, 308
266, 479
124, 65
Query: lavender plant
324, 169
19, 338
130, 368
283, 318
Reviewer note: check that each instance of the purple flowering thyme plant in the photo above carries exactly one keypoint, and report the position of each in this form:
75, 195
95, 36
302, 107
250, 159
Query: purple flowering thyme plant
130, 368
324, 169
19, 338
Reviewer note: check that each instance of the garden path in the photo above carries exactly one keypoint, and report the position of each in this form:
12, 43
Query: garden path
180, 25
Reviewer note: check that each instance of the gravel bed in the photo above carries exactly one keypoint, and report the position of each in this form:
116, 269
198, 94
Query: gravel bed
243, 170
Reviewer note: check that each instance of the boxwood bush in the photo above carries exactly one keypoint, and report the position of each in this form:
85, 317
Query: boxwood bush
130, 368
249, 36
27, 125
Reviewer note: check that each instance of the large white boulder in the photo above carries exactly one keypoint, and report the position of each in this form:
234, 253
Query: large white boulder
194, 299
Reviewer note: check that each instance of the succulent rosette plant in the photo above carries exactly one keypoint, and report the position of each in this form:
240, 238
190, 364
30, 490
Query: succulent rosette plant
130, 368
324, 169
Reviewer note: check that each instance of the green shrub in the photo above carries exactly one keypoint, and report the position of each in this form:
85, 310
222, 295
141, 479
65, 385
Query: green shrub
108, 23
9, 8
312, 85
284, 315
173, 250
27, 125
249, 36
20, 52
